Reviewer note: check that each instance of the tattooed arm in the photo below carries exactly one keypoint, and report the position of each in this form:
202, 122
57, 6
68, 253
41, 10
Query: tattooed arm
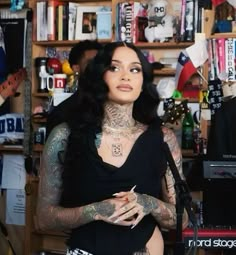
168, 210
50, 215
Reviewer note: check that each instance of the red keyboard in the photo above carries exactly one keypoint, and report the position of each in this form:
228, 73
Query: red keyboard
211, 238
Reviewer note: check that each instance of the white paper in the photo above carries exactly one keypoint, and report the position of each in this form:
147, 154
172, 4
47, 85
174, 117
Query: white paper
13, 172
60, 97
15, 207
198, 53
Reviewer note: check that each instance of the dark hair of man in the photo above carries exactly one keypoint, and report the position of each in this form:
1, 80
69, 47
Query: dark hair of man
78, 50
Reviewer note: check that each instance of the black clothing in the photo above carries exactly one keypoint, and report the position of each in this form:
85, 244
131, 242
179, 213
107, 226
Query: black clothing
94, 180
61, 113
222, 136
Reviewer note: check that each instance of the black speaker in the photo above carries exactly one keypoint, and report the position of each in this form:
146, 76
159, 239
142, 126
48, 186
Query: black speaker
219, 189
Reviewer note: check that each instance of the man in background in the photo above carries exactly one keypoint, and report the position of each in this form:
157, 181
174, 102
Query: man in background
79, 56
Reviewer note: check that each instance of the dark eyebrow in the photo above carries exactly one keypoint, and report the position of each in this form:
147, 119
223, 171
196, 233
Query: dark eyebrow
115, 60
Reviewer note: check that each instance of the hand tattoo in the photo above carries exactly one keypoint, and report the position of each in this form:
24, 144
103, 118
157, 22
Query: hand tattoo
104, 208
147, 202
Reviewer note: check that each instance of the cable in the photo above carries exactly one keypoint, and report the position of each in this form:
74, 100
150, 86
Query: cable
193, 247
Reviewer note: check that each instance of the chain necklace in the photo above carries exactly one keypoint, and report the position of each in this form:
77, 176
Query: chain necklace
117, 146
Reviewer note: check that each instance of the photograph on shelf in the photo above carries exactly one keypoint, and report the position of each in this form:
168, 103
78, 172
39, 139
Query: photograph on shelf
86, 22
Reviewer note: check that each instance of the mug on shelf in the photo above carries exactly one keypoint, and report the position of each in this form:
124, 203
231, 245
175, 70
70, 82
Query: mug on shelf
57, 82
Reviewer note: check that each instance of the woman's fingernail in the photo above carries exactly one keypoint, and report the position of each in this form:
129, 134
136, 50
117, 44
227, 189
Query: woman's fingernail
115, 194
133, 188
133, 226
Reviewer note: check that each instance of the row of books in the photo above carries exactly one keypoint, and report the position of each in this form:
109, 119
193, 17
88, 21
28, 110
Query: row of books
58, 20
159, 21
221, 60
135, 20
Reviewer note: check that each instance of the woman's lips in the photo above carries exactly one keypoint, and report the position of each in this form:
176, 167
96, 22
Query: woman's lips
124, 87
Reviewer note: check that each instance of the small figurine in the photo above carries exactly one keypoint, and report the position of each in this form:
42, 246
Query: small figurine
161, 24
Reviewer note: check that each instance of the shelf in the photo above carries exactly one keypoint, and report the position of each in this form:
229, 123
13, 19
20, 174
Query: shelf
158, 45
39, 120
165, 71
38, 148
11, 148
5, 2
62, 43
188, 154
140, 44
40, 94
223, 35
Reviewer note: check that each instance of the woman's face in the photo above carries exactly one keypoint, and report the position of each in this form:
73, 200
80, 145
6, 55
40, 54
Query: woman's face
125, 77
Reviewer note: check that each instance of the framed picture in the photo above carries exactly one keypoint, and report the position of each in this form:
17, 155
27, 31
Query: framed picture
86, 23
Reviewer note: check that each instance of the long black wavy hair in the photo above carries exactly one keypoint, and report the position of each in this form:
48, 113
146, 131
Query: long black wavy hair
93, 90
89, 112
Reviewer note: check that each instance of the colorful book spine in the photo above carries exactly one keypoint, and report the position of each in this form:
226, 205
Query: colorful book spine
140, 22
59, 19
51, 20
211, 72
215, 58
126, 22
230, 51
221, 54
72, 12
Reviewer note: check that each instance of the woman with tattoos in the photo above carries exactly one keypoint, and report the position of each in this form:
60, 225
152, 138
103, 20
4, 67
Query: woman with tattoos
104, 174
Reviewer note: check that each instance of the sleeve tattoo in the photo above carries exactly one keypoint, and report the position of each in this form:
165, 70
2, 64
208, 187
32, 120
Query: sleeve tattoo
50, 215
165, 213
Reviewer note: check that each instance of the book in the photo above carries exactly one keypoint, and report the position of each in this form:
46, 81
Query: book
104, 24
215, 58
72, 13
211, 71
65, 21
61, 20
51, 20
41, 25
230, 65
140, 22
221, 54
125, 22
189, 21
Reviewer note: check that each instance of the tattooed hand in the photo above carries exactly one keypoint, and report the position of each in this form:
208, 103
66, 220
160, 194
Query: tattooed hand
106, 209
137, 206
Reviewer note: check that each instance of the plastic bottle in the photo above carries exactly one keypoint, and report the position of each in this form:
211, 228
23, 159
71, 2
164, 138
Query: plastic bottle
187, 131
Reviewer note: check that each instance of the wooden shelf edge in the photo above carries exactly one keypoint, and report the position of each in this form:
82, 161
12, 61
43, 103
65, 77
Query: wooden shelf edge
40, 94
11, 148
139, 44
163, 45
38, 148
222, 35
63, 43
